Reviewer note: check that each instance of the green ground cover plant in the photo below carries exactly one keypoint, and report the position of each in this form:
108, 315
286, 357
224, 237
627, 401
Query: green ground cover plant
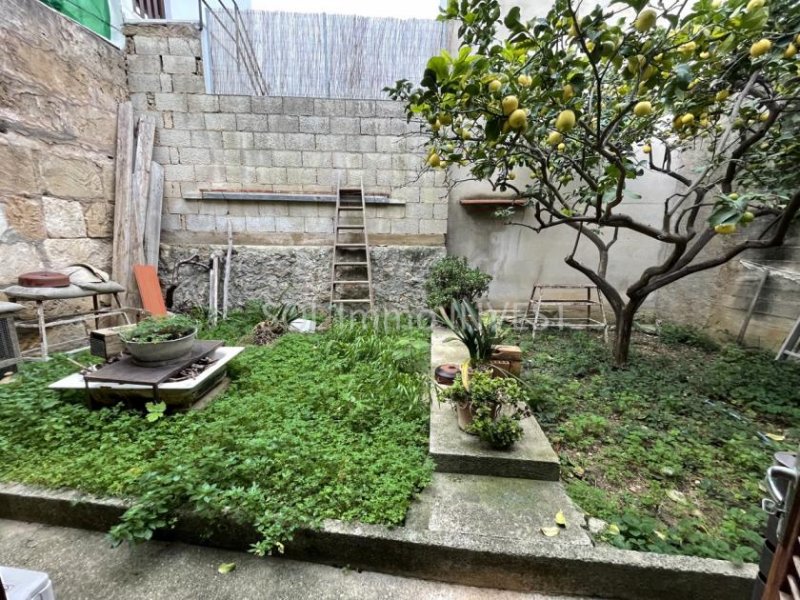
314, 426
671, 451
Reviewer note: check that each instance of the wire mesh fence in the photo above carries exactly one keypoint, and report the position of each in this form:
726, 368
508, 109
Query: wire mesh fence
321, 55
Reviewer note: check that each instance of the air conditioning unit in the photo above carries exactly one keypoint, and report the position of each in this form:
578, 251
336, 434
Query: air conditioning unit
9, 344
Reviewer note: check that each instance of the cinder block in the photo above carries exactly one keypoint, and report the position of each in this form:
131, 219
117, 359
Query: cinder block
287, 158
165, 81
178, 172
317, 159
354, 178
360, 108
143, 64
329, 108
326, 178
234, 104
175, 102
220, 121
247, 122
390, 108
319, 225
237, 139
406, 194
179, 206
194, 156
299, 141
161, 155
230, 156
283, 124
206, 103
201, 222
260, 224
303, 209
257, 158
440, 211
331, 143
405, 226
419, 210
290, 224
247, 176
242, 208
181, 120
348, 125
184, 47
378, 225
173, 137
192, 84
433, 226
432, 195
190, 187
206, 139
298, 106
347, 160
300, 175
315, 124
271, 175
377, 161
211, 173
238, 224
390, 144
360, 143
171, 223
143, 83
382, 126
271, 141
273, 209
172, 189
150, 45
179, 64
406, 161
267, 104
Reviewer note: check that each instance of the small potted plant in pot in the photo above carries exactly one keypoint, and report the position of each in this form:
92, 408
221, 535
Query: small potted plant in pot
157, 340
497, 405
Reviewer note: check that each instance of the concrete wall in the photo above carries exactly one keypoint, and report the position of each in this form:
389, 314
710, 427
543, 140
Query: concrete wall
59, 89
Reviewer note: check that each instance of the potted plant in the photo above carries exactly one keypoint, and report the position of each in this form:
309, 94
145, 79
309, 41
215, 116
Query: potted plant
478, 334
157, 340
495, 407
452, 279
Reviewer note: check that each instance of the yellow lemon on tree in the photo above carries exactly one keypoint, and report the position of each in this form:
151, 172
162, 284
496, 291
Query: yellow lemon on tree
760, 48
565, 120
733, 196
642, 109
646, 19
511, 175
754, 5
495, 85
687, 48
518, 119
725, 229
525, 80
510, 104
647, 148
722, 95
747, 217
568, 92
797, 39
561, 147
434, 160
687, 119
554, 138
763, 116
790, 51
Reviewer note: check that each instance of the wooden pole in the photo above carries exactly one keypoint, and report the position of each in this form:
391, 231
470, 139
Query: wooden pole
122, 266
152, 226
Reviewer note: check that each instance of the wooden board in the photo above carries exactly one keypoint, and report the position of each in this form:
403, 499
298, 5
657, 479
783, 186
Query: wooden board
152, 226
122, 265
150, 289
140, 191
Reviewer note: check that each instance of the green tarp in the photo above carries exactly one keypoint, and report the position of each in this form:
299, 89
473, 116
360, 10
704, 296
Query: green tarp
94, 14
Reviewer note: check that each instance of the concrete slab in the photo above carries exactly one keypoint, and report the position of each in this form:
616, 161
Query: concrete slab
500, 507
454, 451
82, 566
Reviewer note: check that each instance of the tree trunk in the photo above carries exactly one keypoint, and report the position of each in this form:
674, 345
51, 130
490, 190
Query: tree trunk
624, 331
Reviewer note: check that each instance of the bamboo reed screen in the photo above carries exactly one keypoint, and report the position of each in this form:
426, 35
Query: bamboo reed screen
321, 55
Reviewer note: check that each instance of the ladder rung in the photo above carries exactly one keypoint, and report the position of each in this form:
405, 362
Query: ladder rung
351, 282
350, 227
350, 264
792, 354
350, 208
567, 302
351, 300
348, 245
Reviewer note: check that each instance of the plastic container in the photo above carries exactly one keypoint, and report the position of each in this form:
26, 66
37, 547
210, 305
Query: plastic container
20, 584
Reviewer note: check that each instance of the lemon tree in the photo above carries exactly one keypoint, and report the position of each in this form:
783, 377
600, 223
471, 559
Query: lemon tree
587, 100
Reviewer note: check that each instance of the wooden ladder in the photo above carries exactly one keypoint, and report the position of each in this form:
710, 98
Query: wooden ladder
538, 301
351, 268
789, 347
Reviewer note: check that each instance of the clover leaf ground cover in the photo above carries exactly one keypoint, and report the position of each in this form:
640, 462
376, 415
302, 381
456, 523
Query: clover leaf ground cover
672, 450
316, 426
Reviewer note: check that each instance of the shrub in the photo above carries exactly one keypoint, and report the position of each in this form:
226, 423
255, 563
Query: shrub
451, 278
160, 329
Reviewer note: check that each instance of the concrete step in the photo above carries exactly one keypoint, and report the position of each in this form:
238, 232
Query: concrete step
496, 507
454, 451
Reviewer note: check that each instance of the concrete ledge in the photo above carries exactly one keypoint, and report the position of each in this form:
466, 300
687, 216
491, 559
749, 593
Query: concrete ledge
454, 451
453, 558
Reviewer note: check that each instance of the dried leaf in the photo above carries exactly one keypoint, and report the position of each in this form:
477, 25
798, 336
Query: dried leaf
551, 531
226, 567
677, 496
776, 437
560, 519
613, 529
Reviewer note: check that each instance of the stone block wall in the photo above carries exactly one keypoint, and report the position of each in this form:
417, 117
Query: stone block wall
274, 144
59, 88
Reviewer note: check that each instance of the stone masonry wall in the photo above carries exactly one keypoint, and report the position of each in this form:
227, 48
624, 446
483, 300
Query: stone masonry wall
59, 89
280, 144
